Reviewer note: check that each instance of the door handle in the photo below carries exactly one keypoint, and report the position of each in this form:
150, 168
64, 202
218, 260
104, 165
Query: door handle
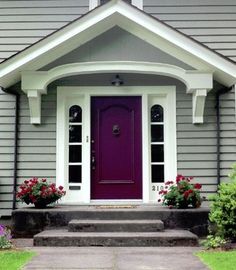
93, 162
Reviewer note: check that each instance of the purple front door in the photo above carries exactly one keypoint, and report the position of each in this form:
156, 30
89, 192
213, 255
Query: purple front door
116, 150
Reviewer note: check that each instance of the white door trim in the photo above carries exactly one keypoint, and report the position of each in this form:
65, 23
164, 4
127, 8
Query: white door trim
68, 96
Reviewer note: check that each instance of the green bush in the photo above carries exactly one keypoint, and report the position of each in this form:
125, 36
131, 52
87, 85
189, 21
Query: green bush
223, 209
213, 241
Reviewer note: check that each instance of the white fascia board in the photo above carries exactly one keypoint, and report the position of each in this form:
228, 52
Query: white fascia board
16, 63
181, 41
117, 11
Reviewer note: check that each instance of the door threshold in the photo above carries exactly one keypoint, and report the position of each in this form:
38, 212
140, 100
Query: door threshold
116, 202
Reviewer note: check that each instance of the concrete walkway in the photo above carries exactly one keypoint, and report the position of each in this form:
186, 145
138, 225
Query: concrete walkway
112, 258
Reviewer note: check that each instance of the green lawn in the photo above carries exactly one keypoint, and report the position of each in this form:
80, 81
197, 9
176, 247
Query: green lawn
14, 260
219, 260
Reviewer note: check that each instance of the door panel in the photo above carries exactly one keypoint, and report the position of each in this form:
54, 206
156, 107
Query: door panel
116, 157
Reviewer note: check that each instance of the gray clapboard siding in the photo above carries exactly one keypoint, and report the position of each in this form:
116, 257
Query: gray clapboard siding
190, 134
196, 157
6, 189
24, 22
36, 158
7, 121
33, 135
37, 144
36, 172
206, 21
196, 144
6, 181
40, 165
190, 2
228, 134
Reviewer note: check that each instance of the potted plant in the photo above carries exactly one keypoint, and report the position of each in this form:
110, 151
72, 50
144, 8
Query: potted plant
181, 193
39, 192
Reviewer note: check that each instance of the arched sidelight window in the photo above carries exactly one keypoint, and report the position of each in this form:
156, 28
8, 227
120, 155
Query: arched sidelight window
75, 145
157, 143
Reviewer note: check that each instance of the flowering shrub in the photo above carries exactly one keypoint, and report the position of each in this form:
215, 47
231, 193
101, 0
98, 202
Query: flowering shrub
39, 192
181, 194
5, 237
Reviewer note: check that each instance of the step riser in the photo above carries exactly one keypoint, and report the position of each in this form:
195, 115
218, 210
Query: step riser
115, 242
28, 222
115, 228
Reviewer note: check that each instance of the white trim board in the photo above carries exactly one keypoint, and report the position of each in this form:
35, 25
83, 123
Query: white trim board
94, 3
103, 18
67, 96
34, 83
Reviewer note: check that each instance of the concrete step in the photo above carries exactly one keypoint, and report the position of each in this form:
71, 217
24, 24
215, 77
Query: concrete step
29, 221
65, 238
115, 225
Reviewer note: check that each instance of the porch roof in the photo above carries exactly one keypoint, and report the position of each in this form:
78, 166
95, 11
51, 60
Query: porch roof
133, 20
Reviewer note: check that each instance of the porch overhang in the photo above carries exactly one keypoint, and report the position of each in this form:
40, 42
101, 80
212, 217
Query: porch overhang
198, 83
131, 19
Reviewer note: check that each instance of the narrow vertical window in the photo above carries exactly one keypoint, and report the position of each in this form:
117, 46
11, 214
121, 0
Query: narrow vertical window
157, 144
75, 145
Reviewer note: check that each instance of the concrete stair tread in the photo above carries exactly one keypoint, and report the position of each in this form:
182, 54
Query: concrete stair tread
165, 238
93, 225
111, 221
166, 233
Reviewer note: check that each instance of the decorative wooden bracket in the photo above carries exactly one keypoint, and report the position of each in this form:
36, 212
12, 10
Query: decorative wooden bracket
199, 97
34, 83
34, 97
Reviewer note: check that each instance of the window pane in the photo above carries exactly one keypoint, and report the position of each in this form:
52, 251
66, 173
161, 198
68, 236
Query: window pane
157, 133
75, 174
75, 114
157, 173
157, 113
157, 153
75, 134
75, 153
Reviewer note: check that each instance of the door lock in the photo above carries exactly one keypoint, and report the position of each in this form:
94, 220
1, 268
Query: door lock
93, 162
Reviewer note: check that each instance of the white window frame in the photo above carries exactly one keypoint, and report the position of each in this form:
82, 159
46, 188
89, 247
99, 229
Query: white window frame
94, 3
67, 96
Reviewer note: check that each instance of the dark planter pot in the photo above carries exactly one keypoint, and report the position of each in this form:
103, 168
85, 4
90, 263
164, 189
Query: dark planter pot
40, 205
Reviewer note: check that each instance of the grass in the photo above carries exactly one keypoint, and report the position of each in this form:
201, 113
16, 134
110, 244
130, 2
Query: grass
14, 260
219, 260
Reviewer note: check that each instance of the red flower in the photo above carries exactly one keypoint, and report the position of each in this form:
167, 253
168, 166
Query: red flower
179, 177
198, 186
186, 193
170, 206
60, 187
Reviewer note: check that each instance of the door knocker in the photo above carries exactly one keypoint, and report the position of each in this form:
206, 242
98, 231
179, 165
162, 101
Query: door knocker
116, 130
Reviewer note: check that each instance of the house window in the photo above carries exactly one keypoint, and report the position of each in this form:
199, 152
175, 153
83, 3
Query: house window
157, 143
75, 145
95, 3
